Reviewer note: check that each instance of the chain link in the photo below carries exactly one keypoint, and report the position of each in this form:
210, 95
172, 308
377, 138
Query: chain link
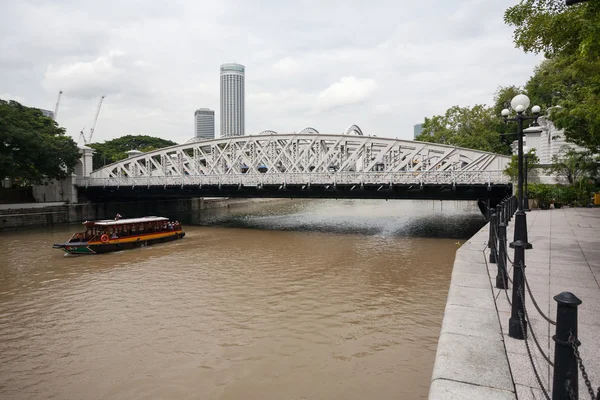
522, 296
570, 391
498, 257
575, 346
537, 376
533, 298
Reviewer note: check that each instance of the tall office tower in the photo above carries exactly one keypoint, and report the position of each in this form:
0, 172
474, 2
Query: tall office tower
204, 124
232, 100
418, 129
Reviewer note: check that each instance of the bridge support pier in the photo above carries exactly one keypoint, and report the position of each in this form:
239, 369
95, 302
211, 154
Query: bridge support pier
65, 190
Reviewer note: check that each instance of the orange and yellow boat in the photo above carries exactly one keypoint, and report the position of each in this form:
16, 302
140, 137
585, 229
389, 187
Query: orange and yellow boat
120, 234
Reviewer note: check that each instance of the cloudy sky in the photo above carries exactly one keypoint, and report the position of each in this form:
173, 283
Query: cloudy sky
381, 64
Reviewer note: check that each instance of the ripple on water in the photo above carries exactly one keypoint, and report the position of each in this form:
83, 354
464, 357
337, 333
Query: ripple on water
330, 302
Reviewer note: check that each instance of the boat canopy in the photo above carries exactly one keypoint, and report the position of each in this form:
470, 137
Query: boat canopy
126, 221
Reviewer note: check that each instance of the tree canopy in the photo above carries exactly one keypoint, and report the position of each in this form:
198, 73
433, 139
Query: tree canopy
512, 169
114, 150
33, 148
479, 127
568, 82
574, 165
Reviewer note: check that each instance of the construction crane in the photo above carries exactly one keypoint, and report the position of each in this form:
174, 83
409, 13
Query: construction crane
56, 106
82, 134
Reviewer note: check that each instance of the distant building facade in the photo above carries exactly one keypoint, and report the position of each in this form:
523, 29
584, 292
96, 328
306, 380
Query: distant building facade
204, 124
417, 130
548, 142
233, 97
47, 113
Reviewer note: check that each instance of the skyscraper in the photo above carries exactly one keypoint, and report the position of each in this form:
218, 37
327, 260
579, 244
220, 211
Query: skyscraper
232, 100
204, 124
418, 129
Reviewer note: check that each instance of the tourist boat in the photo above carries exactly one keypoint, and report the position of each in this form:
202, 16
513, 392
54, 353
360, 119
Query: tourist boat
119, 234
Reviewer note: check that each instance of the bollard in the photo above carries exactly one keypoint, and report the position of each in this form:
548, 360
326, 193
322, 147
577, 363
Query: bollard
565, 362
502, 275
505, 212
512, 207
492, 241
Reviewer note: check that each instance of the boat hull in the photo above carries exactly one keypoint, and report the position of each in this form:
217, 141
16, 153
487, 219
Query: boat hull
97, 247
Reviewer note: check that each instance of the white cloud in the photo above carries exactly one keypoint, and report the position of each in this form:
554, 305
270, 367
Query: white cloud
286, 65
401, 62
108, 74
10, 96
348, 90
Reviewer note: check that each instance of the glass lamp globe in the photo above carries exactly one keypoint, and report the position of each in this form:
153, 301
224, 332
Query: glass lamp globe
520, 108
520, 100
505, 112
536, 109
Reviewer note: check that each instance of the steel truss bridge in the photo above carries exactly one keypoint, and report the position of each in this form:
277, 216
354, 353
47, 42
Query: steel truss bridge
304, 164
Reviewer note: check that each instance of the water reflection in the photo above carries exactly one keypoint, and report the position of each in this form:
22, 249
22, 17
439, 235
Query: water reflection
398, 218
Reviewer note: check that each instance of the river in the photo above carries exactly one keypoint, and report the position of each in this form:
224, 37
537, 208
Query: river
287, 300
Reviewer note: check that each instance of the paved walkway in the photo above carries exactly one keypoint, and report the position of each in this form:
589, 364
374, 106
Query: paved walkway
476, 358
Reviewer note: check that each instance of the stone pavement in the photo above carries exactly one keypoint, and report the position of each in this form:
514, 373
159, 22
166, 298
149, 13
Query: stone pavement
475, 357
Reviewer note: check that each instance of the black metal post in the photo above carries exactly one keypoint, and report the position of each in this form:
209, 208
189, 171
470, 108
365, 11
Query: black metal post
492, 240
526, 194
515, 328
565, 362
502, 275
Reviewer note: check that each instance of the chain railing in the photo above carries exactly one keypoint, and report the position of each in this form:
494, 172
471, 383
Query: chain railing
567, 361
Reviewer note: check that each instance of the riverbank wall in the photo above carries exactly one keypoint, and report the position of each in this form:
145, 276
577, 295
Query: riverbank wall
36, 215
476, 356
471, 360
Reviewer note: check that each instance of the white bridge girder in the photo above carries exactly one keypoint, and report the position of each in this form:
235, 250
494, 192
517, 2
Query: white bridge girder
304, 158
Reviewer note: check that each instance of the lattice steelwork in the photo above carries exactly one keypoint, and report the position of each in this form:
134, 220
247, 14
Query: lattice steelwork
304, 158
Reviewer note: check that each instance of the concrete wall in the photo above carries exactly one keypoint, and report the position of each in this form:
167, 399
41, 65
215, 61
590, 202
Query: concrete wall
56, 191
185, 210
23, 218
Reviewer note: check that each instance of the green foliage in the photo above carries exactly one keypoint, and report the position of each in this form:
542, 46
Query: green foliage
542, 192
574, 165
116, 149
475, 127
552, 28
570, 78
33, 148
512, 169
573, 85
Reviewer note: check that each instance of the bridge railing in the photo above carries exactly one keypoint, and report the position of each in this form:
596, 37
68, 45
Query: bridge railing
348, 178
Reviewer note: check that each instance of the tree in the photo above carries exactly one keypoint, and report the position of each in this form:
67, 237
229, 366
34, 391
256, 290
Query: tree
554, 29
574, 165
33, 148
116, 149
569, 80
512, 169
476, 127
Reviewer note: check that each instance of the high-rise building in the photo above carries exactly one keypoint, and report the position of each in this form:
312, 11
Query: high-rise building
204, 124
232, 100
418, 129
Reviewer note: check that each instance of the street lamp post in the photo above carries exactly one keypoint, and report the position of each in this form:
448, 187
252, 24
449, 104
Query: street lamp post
517, 326
526, 192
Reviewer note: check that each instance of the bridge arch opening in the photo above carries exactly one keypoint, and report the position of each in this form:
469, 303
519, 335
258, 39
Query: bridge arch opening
354, 129
309, 129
